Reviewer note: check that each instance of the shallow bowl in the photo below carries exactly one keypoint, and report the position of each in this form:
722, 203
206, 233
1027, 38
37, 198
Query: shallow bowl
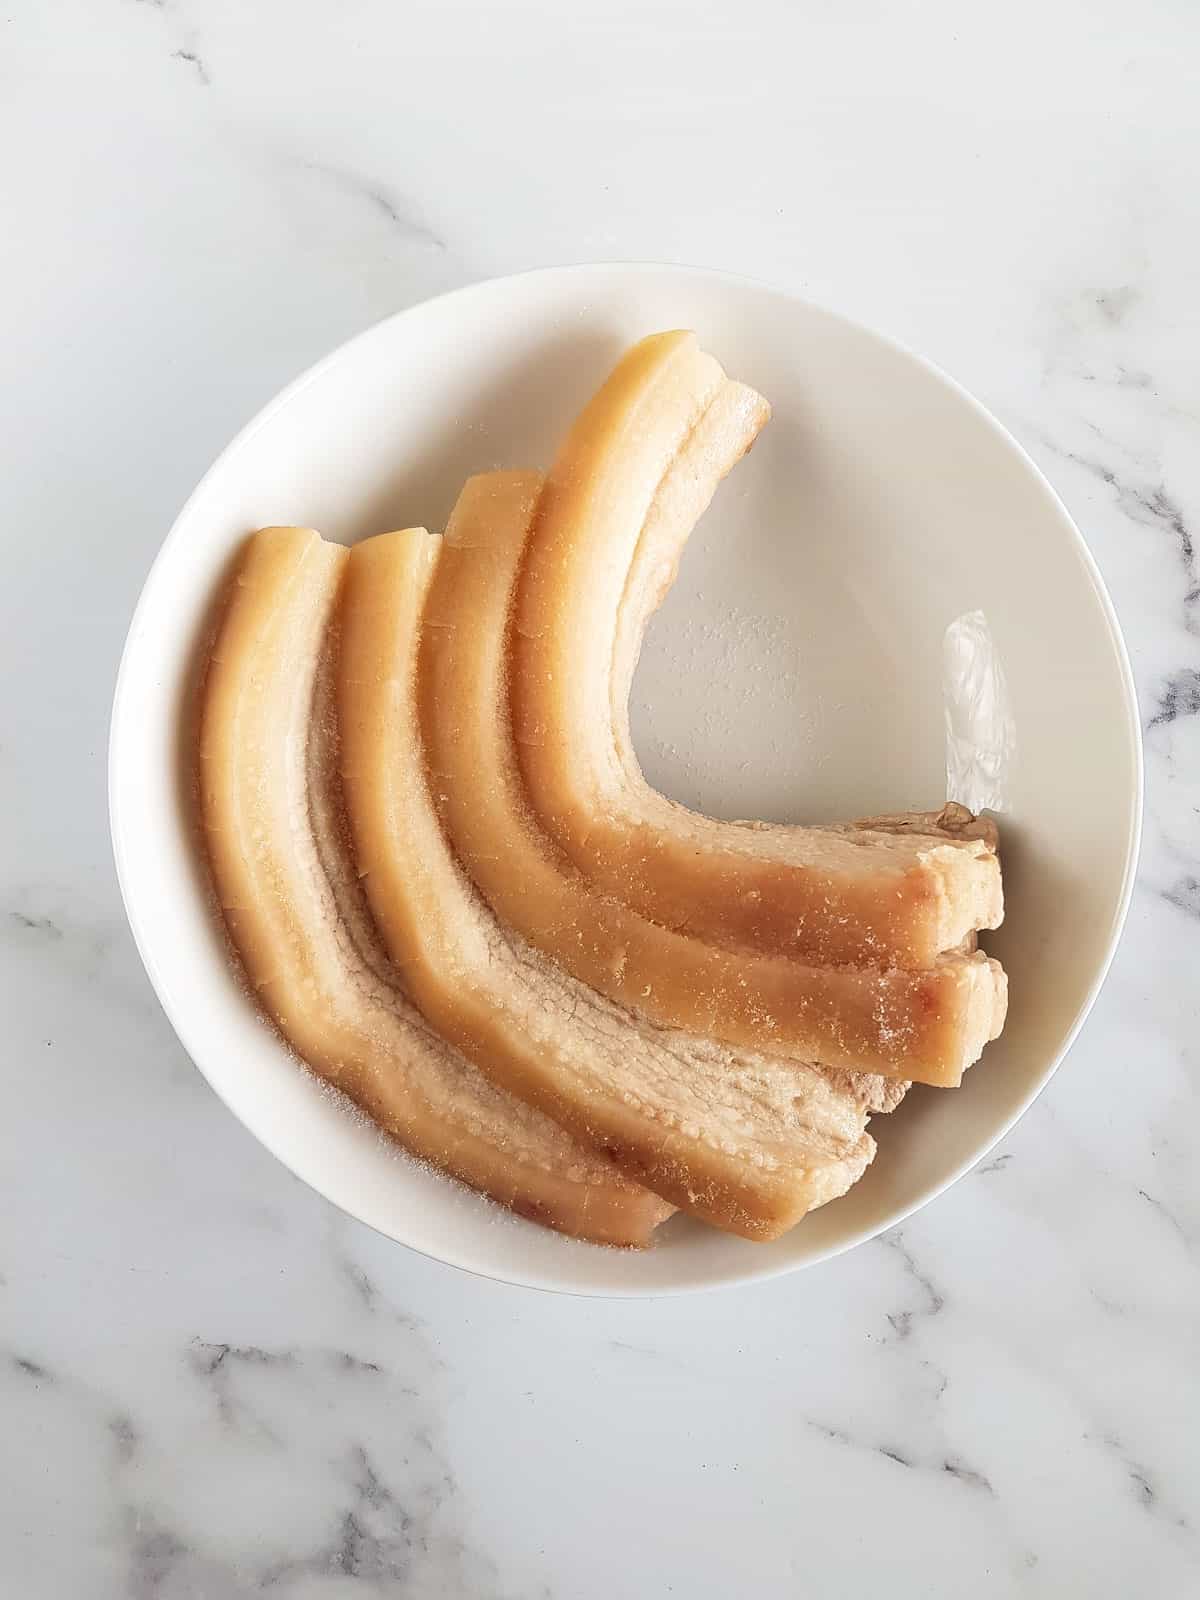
795, 673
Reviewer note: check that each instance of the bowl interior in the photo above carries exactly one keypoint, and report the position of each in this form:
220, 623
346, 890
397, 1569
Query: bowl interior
806, 625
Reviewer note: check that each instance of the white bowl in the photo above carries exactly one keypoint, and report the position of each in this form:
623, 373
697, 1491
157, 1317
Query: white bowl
793, 674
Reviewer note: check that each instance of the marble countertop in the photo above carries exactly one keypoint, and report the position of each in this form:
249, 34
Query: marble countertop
212, 1384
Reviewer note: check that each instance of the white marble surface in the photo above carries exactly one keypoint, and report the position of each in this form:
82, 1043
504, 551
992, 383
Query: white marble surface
213, 1386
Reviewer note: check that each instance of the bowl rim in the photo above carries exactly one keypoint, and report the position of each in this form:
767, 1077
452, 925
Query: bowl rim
481, 288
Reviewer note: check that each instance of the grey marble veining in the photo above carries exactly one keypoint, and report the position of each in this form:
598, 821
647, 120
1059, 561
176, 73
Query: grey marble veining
212, 1385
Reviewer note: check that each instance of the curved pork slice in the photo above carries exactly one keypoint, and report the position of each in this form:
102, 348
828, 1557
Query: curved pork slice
635, 473
742, 1140
928, 1026
295, 913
